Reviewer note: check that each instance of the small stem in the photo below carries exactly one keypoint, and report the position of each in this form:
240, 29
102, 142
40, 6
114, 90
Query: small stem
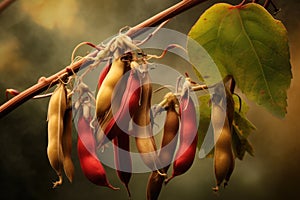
232, 82
276, 9
267, 3
199, 87
242, 3
45, 83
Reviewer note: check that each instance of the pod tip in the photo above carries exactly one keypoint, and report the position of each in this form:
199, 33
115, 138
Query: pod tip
57, 183
215, 189
168, 179
112, 187
128, 191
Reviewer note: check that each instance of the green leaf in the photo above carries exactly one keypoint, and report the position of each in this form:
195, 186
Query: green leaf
248, 43
242, 128
205, 112
240, 145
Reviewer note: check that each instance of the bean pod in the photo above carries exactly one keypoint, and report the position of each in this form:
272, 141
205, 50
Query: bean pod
222, 117
89, 162
67, 140
122, 158
170, 134
103, 74
56, 110
168, 146
142, 126
128, 106
188, 137
104, 96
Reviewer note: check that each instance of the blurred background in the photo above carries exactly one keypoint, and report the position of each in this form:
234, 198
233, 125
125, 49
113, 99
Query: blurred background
37, 38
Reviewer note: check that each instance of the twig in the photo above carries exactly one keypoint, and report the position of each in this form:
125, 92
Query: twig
44, 83
267, 3
4, 4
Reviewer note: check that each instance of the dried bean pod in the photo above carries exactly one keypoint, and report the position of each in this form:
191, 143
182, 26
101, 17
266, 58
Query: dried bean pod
56, 110
67, 140
224, 160
142, 126
104, 96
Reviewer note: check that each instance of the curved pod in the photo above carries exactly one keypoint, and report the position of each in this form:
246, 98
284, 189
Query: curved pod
89, 162
123, 158
127, 107
67, 140
188, 137
224, 160
142, 126
104, 96
56, 110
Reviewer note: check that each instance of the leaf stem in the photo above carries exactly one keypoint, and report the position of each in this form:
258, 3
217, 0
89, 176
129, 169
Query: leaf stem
44, 83
242, 3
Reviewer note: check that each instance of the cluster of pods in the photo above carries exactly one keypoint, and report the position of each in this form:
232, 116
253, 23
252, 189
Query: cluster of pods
126, 85
123, 98
123, 111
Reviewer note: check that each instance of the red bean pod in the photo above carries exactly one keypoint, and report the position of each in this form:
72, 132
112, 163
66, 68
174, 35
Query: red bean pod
122, 158
89, 162
188, 137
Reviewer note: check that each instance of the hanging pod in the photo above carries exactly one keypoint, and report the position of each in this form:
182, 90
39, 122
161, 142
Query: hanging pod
188, 139
86, 148
168, 146
56, 110
221, 119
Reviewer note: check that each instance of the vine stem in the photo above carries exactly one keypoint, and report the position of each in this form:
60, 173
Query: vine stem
4, 4
45, 83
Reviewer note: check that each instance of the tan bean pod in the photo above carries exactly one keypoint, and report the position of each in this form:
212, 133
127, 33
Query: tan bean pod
224, 160
142, 127
104, 95
56, 110
170, 134
168, 146
67, 140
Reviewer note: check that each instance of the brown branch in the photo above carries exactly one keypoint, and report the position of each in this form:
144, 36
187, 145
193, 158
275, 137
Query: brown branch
45, 83
4, 4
